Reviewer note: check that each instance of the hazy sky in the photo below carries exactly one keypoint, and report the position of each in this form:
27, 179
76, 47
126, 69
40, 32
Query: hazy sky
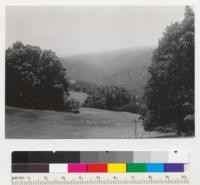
76, 30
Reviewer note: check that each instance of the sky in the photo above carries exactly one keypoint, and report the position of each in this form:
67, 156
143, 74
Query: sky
87, 29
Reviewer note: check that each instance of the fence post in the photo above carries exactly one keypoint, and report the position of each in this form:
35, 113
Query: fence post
135, 129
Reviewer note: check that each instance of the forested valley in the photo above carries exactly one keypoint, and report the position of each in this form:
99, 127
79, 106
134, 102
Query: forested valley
39, 79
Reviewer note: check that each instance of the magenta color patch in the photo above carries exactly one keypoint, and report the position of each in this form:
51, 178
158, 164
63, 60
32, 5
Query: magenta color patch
77, 168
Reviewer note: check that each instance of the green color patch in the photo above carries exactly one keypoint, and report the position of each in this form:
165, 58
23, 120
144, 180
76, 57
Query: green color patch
136, 167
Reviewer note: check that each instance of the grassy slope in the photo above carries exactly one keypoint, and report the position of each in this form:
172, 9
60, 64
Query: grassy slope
90, 123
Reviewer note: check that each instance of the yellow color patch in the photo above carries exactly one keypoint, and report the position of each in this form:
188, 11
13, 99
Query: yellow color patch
116, 167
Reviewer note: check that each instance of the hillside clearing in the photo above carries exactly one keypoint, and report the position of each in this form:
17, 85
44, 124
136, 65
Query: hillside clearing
89, 124
78, 96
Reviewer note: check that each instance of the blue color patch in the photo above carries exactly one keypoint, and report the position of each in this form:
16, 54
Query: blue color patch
155, 167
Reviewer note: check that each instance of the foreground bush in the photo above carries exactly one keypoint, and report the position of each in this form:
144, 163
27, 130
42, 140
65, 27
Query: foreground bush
72, 106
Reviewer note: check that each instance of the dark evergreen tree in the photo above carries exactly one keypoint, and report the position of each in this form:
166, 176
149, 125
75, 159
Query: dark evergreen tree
169, 94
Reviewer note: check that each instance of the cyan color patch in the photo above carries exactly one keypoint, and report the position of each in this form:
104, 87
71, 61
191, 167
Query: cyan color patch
153, 167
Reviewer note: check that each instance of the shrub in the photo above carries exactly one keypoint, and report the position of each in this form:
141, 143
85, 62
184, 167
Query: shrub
72, 105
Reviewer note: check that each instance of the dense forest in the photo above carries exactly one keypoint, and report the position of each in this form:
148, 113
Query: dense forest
107, 97
37, 78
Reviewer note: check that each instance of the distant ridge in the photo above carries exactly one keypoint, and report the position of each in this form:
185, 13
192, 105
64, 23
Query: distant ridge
126, 67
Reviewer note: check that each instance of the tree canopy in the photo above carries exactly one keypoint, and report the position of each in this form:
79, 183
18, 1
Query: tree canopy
35, 78
169, 93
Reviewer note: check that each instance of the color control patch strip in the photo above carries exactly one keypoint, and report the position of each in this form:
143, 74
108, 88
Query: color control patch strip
97, 168
99, 162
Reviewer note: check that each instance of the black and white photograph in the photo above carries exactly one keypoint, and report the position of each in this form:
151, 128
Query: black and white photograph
99, 72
